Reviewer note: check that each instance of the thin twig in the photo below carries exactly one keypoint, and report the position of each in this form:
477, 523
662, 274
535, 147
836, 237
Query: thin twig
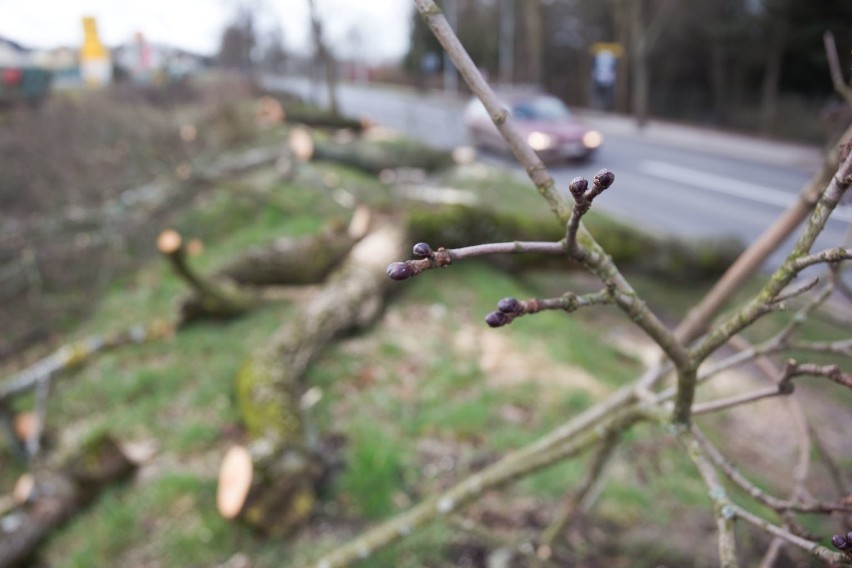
441, 258
813, 548
755, 492
575, 497
784, 274
722, 506
510, 308
795, 292
738, 400
832, 372
594, 258
829, 255
834, 67
533, 457
474, 79
483, 533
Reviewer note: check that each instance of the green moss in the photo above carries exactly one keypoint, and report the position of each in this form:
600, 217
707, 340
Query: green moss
268, 408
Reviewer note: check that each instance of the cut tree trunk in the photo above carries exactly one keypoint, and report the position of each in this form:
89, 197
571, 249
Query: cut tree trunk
55, 496
285, 463
372, 156
291, 261
211, 298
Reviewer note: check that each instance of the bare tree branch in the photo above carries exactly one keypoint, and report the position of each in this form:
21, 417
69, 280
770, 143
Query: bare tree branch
757, 493
575, 497
510, 308
840, 85
426, 258
700, 316
722, 506
813, 548
783, 275
830, 255
739, 400
519, 463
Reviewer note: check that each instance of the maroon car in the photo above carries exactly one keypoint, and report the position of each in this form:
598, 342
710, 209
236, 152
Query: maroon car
549, 127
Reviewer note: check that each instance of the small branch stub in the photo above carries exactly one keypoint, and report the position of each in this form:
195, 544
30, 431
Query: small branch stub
169, 241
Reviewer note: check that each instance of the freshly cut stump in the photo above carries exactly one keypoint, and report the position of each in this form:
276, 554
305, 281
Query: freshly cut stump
235, 477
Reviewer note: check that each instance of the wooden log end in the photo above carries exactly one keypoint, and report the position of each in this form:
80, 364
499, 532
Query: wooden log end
194, 247
169, 241
24, 489
360, 222
301, 143
25, 425
235, 477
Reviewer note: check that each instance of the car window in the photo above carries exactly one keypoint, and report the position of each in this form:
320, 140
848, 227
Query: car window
540, 108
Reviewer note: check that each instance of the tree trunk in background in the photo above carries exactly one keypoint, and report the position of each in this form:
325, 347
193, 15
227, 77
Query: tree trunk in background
323, 57
506, 55
533, 41
772, 73
639, 62
719, 76
623, 67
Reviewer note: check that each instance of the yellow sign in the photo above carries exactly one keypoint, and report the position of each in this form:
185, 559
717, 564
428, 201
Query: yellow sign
614, 48
92, 46
95, 63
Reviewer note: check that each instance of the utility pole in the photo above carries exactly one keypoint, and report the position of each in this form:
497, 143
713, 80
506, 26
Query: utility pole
507, 41
451, 78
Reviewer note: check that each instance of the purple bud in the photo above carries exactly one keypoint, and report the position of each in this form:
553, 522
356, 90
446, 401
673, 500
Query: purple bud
422, 250
605, 178
578, 186
400, 270
840, 542
497, 319
509, 306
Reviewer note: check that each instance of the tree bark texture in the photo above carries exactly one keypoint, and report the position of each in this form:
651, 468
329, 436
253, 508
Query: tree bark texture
57, 495
269, 384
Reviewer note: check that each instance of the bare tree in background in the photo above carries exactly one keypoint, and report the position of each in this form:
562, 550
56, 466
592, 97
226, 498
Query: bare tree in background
238, 41
322, 57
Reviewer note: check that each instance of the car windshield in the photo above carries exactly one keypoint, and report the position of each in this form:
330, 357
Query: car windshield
540, 108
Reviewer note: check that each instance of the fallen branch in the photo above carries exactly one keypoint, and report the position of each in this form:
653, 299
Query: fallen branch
55, 496
211, 298
79, 352
269, 390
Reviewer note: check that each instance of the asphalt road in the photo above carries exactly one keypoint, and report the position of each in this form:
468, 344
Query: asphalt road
680, 181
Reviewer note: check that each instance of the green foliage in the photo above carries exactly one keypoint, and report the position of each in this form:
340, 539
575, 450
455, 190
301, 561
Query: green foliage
373, 469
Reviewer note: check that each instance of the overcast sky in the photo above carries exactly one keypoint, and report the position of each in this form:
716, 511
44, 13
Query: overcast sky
376, 28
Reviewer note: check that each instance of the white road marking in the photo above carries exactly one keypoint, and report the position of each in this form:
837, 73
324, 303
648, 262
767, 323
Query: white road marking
729, 186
